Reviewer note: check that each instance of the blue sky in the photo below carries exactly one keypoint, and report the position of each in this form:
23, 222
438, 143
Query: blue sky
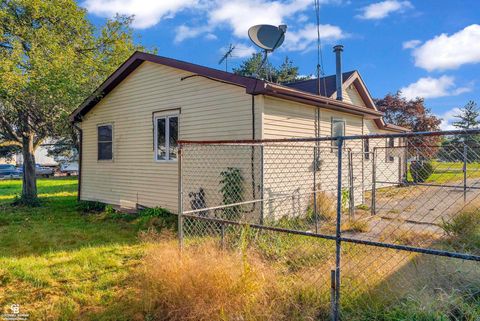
427, 48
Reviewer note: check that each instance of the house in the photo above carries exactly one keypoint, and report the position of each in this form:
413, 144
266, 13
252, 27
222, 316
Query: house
130, 125
41, 157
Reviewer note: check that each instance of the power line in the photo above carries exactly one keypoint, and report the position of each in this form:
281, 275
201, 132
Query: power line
320, 64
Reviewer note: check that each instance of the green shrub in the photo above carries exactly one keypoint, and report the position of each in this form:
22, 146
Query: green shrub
421, 171
90, 207
232, 189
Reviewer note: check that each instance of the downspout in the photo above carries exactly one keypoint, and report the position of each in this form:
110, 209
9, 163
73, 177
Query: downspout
252, 158
80, 156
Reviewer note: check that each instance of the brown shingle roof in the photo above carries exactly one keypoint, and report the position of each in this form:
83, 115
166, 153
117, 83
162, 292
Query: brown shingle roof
327, 84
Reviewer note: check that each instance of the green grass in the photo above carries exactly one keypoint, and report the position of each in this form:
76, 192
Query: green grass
59, 264
447, 172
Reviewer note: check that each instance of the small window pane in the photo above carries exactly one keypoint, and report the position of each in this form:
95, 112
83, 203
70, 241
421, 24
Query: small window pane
105, 133
391, 144
338, 128
366, 147
105, 151
161, 149
105, 142
173, 130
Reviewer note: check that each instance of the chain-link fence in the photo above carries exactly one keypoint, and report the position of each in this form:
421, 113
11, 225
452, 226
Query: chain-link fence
366, 227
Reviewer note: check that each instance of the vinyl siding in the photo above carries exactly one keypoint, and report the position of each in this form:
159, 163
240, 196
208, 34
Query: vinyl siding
288, 170
209, 110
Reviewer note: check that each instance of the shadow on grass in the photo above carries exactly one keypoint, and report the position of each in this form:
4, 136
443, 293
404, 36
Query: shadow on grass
56, 225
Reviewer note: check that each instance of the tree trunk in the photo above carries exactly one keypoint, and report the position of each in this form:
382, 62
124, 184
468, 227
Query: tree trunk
29, 187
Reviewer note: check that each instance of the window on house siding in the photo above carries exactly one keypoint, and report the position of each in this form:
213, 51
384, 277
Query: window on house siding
390, 145
166, 136
105, 142
338, 129
366, 148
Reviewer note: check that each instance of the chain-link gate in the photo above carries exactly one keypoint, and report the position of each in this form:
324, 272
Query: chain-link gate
368, 224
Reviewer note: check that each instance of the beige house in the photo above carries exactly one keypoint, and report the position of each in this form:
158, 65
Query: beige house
131, 124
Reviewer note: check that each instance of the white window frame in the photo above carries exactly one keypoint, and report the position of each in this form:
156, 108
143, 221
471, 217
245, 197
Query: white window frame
167, 117
112, 142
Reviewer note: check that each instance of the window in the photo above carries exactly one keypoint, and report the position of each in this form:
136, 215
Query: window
338, 129
390, 145
105, 142
166, 136
366, 148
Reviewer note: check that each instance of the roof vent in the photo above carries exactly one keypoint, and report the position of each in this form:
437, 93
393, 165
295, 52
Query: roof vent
339, 77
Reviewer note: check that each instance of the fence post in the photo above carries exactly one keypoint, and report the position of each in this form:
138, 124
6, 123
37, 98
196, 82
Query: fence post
464, 172
332, 294
350, 182
315, 213
222, 235
180, 199
338, 233
262, 194
374, 183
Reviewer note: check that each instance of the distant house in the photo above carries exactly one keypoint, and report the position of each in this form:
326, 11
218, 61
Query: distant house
41, 157
130, 125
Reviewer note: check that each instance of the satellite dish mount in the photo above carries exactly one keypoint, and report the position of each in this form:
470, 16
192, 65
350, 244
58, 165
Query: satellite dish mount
268, 38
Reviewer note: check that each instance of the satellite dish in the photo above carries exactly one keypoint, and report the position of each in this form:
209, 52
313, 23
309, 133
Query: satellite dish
267, 37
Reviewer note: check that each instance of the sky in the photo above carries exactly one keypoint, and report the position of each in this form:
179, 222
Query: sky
425, 48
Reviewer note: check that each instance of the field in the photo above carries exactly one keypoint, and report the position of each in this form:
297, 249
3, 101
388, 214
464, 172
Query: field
59, 263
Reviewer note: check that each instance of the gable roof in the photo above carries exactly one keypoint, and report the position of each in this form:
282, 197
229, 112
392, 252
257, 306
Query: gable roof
252, 86
327, 84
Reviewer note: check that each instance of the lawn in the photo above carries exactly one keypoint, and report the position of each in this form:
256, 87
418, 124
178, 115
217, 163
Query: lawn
60, 264
452, 172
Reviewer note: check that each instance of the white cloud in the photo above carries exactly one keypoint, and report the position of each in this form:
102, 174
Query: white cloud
184, 32
448, 118
305, 38
237, 15
211, 36
450, 52
242, 14
147, 12
380, 10
241, 50
429, 87
410, 44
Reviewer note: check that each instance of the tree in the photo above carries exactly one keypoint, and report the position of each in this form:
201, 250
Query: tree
287, 72
468, 117
51, 58
465, 145
414, 115
411, 114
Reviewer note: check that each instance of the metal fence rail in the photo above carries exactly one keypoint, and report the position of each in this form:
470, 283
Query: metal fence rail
354, 216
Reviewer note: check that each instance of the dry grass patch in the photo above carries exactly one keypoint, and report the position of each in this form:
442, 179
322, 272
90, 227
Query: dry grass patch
203, 284
398, 235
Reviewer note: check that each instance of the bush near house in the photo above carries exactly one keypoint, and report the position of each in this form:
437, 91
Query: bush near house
421, 171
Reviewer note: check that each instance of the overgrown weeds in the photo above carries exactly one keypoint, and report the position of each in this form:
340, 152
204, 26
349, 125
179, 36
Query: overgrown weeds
463, 230
270, 276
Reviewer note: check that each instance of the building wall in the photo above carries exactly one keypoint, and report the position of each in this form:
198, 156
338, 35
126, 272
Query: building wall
209, 110
289, 177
